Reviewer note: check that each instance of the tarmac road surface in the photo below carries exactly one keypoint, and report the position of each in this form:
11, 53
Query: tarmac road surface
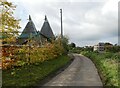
81, 72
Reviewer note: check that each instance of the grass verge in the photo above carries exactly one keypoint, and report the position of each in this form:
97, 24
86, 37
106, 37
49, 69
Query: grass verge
29, 75
107, 65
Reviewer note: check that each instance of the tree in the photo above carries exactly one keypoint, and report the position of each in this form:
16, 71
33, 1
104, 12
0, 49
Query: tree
108, 44
65, 41
73, 45
9, 24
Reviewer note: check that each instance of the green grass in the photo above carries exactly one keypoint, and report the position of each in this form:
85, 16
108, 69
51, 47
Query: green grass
107, 65
29, 75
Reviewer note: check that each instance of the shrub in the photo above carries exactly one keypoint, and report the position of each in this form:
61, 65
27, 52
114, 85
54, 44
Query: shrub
19, 56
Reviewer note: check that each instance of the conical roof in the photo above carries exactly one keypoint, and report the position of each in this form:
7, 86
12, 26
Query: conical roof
46, 29
29, 30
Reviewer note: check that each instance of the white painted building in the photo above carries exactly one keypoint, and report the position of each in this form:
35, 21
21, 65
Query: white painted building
99, 47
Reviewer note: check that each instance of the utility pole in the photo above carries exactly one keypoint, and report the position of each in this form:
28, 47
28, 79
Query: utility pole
61, 25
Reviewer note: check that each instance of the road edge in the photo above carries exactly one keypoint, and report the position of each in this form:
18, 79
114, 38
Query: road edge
55, 73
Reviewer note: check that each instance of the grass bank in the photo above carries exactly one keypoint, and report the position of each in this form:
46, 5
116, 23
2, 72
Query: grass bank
107, 65
29, 75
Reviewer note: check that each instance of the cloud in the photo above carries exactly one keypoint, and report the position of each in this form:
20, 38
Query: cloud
85, 22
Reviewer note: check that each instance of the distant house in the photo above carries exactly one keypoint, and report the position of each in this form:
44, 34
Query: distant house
99, 47
39, 37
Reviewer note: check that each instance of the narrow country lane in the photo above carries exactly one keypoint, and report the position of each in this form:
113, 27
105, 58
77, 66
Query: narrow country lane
81, 72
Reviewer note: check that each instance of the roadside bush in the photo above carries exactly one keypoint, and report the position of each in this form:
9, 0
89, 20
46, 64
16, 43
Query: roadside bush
108, 55
23, 55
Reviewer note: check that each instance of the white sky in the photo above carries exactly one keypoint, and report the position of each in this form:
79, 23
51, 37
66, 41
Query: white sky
85, 22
